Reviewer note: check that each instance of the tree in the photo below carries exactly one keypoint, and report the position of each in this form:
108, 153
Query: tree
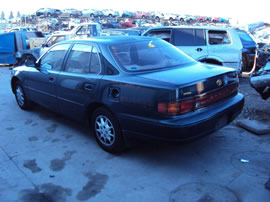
11, 15
2, 15
18, 14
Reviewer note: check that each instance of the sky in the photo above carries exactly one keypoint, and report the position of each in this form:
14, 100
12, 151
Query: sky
243, 11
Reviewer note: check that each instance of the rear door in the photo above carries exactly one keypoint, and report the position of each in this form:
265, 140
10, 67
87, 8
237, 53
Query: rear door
226, 47
191, 41
78, 84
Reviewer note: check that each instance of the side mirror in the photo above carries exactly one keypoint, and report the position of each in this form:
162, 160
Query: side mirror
37, 64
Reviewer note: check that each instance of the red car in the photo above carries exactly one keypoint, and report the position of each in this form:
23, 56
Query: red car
129, 24
201, 19
141, 14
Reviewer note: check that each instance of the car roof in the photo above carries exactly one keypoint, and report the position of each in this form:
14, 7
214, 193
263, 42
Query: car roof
190, 27
112, 39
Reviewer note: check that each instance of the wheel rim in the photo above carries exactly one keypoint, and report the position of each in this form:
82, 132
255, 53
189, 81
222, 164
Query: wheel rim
20, 96
104, 130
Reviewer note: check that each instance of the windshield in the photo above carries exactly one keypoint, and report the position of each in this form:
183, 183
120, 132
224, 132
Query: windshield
148, 55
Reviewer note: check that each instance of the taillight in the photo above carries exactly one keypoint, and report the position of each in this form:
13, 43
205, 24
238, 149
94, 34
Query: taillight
198, 102
176, 108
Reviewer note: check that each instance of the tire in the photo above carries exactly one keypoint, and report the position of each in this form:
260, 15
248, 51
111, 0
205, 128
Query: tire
110, 15
143, 17
107, 131
92, 15
49, 15
20, 96
157, 18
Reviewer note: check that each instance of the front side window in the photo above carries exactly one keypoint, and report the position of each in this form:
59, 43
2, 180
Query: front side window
55, 39
83, 59
162, 34
216, 37
148, 55
53, 59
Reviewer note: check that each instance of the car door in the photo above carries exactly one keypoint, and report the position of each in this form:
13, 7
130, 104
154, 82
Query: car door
191, 41
41, 81
78, 84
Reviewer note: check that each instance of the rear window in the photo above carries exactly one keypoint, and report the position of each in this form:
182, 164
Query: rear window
148, 55
245, 38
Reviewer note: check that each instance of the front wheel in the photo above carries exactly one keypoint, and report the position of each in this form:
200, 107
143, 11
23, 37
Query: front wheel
107, 131
21, 98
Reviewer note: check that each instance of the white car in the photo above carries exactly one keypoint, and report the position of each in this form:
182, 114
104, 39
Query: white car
171, 16
215, 45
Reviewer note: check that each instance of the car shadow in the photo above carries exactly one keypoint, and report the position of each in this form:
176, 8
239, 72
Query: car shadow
173, 155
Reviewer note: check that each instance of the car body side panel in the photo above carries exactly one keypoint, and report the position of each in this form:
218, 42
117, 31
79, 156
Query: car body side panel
134, 98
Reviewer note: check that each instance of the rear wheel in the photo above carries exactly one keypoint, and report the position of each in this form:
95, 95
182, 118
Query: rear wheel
107, 131
21, 98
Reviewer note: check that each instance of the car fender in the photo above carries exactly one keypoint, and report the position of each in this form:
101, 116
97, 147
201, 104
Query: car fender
211, 57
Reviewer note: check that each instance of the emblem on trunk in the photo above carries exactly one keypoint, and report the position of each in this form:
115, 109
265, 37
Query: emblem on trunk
219, 82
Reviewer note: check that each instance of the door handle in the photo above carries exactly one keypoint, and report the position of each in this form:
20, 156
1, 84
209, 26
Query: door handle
88, 87
51, 79
199, 49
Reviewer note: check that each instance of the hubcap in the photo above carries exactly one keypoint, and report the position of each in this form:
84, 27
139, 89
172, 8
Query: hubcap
105, 130
19, 96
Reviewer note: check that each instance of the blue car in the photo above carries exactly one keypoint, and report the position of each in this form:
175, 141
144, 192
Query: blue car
130, 87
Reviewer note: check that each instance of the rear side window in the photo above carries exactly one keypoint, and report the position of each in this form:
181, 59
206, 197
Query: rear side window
216, 37
189, 37
83, 58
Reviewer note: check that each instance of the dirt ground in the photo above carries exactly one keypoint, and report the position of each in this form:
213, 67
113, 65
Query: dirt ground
255, 107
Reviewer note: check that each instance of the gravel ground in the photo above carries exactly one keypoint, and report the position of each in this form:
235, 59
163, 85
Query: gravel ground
255, 107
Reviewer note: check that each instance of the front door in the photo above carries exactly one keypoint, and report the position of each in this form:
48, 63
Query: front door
41, 82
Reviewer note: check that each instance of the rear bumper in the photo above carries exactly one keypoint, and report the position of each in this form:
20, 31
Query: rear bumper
185, 127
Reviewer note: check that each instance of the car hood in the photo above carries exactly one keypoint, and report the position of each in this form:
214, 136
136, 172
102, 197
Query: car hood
187, 74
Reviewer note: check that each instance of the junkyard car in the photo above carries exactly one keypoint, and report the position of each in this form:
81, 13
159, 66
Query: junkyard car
130, 87
248, 51
70, 13
82, 30
48, 12
215, 45
260, 81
